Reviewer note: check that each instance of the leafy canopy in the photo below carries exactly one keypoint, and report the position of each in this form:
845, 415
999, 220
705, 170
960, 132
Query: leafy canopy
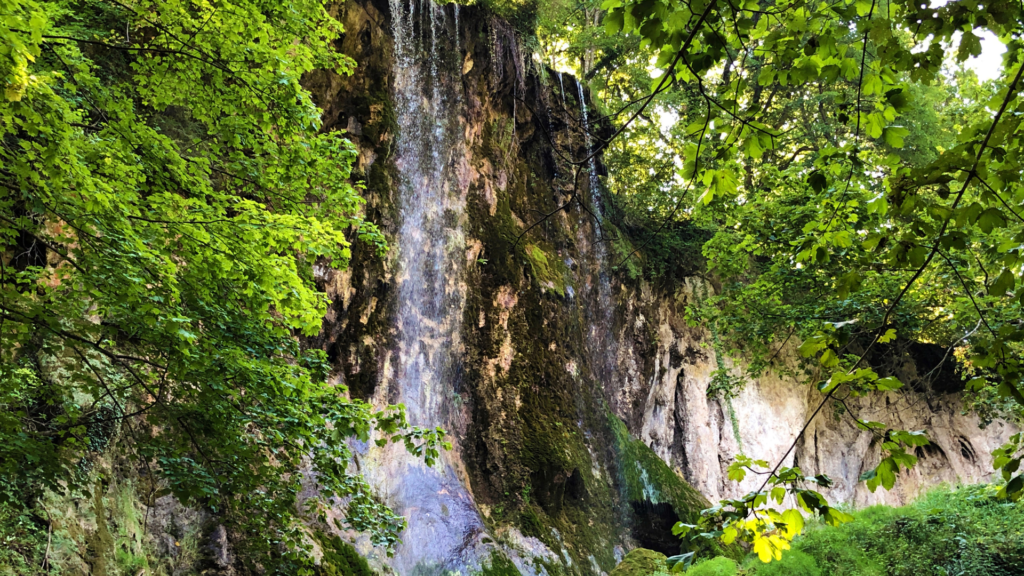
165, 193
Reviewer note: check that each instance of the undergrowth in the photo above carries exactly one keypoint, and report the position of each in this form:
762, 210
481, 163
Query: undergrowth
967, 530
963, 531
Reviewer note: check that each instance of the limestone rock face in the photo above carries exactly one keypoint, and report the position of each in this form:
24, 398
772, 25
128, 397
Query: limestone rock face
668, 407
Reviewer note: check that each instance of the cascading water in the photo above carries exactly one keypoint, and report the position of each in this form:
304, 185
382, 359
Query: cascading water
603, 346
445, 533
444, 530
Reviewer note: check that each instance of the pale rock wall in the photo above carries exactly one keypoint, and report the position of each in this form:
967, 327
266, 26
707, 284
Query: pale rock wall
668, 408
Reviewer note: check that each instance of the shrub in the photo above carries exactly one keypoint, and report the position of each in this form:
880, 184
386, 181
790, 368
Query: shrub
793, 563
966, 530
720, 566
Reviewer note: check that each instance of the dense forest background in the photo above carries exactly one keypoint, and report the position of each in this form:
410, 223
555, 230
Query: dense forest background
835, 171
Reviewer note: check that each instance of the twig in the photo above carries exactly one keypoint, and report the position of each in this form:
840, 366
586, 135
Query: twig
49, 535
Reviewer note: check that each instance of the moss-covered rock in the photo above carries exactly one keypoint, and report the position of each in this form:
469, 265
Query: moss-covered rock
641, 562
548, 271
340, 558
646, 477
499, 565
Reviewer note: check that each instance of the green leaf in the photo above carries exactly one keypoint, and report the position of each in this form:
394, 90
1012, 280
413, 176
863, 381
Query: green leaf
778, 494
1003, 284
613, 21
829, 359
970, 45
894, 136
888, 383
887, 473
817, 181
991, 219
680, 563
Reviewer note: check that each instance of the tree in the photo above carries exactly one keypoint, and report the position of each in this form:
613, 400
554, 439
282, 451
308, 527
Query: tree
165, 191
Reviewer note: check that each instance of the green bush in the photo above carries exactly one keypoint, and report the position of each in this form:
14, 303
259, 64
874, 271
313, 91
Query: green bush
966, 530
720, 566
793, 563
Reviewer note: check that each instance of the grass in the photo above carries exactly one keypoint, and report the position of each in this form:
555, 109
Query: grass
965, 530
720, 566
958, 531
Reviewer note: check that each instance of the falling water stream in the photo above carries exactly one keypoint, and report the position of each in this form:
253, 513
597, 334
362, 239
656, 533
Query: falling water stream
444, 530
445, 533
602, 343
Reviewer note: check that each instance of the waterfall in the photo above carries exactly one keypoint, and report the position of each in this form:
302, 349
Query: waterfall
430, 238
602, 342
595, 188
444, 529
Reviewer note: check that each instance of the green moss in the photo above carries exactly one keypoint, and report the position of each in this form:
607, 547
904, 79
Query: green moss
380, 120
340, 558
499, 565
641, 562
378, 180
548, 271
646, 477
648, 248
530, 523
100, 544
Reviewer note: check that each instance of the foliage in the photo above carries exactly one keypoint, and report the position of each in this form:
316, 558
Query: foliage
718, 566
795, 563
22, 543
967, 530
165, 190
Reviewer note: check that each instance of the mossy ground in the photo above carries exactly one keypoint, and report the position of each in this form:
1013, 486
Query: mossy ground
641, 562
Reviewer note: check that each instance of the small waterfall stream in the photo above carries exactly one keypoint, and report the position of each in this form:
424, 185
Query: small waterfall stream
602, 343
444, 528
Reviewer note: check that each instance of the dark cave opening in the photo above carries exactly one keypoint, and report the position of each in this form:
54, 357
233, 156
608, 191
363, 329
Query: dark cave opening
653, 527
